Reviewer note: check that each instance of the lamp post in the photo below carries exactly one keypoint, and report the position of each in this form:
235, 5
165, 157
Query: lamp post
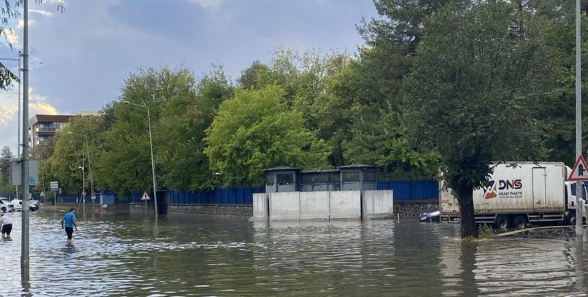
89, 163
151, 145
24, 254
18, 104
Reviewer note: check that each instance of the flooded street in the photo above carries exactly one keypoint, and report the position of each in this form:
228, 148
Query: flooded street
131, 255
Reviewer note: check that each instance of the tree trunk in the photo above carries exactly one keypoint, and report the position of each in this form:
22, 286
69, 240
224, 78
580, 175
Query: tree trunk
466, 207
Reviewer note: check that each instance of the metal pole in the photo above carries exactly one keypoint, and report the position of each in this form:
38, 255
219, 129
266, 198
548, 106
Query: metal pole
90, 166
18, 115
579, 187
83, 182
152, 163
24, 257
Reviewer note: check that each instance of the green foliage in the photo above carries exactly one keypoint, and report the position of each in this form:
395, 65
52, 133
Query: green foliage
256, 130
6, 187
485, 231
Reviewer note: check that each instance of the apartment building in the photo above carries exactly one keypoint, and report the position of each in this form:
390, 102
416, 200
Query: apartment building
44, 126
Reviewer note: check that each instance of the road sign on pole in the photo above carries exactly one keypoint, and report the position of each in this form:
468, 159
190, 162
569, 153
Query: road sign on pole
145, 196
54, 186
579, 171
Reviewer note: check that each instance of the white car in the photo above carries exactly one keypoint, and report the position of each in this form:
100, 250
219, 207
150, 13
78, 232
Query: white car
17, 203
5, 205
33, 205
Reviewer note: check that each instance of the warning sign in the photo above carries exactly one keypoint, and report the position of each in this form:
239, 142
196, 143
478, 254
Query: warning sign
579, 172
145, 196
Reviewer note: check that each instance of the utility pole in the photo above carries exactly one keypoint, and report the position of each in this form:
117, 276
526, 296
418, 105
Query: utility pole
24, 256
579, 186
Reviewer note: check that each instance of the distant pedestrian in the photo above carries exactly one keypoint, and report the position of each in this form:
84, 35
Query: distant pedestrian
69, 223
6, 226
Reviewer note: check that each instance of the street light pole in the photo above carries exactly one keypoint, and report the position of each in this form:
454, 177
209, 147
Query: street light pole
579, 185
18, 106
152, 159
89, 163
24, 257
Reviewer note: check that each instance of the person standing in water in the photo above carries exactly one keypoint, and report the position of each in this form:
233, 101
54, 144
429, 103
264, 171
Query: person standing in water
69, 223
6, 226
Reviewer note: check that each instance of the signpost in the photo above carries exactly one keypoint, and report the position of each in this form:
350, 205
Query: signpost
145, 198
54, 188
579, 174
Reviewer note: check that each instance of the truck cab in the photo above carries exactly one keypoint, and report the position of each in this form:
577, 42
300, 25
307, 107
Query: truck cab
571, 196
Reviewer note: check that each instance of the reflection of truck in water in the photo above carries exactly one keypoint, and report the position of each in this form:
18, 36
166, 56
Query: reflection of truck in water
519, 194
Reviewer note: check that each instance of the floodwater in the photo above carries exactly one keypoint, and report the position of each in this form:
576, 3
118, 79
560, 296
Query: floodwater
131, 255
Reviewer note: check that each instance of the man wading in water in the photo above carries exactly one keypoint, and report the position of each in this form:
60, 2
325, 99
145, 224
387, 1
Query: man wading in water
68, 223
6, 226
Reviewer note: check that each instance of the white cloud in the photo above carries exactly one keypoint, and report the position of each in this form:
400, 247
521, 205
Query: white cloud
208, 3
11, 37
21, 23
41, 12
5, 115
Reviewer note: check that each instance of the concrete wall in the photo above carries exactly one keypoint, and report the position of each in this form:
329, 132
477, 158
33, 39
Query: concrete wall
284, 206
345, 205
260, 207
314, 205
378, 204
320, 205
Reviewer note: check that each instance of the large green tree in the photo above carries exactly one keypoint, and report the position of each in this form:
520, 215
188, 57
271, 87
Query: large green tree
181, 129
481, 77
6, 157
125, 160
256, 130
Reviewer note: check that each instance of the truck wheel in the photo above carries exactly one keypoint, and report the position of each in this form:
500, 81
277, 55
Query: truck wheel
520, 222
502, 222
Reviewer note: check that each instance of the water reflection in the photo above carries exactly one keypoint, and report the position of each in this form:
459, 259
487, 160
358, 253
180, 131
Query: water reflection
123, 255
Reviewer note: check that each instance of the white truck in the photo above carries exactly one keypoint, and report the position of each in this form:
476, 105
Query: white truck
517, 195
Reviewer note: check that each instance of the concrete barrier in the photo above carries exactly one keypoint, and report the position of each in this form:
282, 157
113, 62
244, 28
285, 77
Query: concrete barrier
260, 207
284, 206
314, 205
345, 205
378, 204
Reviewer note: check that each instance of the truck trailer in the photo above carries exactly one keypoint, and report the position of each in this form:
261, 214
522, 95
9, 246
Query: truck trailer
518, 193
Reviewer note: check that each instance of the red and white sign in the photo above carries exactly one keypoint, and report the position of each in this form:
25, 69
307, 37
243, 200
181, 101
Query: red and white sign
579, 171
145, 196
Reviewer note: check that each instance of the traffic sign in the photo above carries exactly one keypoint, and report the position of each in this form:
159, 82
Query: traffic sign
580, 170
54, 186
145, 196
84, 193
93, 195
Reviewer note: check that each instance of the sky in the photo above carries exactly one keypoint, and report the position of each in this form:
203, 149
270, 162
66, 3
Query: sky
80, 58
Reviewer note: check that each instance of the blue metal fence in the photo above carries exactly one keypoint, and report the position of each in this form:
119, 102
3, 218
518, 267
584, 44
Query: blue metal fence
411, 190
403, 190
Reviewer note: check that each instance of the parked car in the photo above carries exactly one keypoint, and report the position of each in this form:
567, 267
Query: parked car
33, 205
17, 203
5, 205
430, 215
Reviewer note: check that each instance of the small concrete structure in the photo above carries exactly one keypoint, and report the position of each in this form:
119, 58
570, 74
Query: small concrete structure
358, 177
348, 192
281, 179
319, 180
322, 205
